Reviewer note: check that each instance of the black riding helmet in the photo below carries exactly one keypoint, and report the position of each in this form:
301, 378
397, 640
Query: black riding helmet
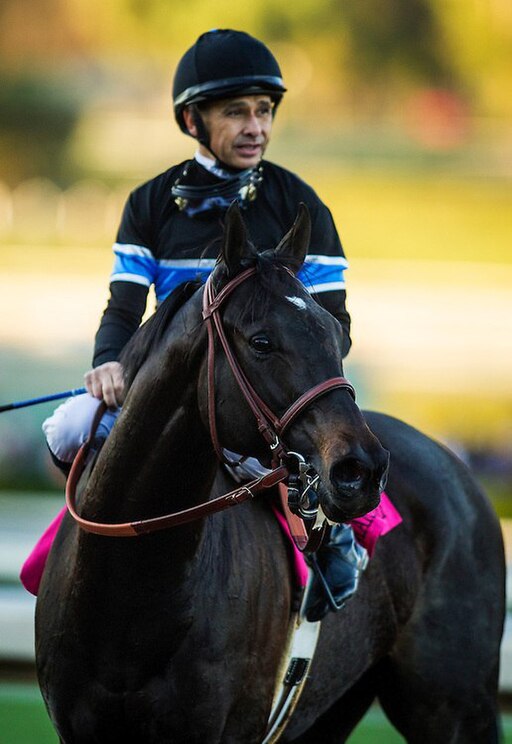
224, 63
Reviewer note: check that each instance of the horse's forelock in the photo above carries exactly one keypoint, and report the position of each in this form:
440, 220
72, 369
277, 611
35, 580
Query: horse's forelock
271, 275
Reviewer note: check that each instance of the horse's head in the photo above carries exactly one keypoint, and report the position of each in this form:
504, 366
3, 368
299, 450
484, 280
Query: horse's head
286, 344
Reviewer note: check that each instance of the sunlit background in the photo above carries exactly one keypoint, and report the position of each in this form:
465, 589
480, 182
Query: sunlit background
399, 113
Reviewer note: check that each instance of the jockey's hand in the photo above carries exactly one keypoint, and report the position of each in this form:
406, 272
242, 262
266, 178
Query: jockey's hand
106, 383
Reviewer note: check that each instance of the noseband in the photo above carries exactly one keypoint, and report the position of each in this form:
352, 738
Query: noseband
287, 465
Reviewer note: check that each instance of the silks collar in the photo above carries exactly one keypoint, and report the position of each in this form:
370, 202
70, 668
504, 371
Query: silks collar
241, 186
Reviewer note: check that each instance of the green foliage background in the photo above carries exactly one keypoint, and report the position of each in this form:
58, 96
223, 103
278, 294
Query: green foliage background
344, 61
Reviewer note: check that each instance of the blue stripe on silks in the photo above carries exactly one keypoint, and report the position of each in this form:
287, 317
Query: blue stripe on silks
136, 264
128, 265
318, 276
170, 275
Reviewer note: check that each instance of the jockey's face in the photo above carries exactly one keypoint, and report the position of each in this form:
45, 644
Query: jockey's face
239, 129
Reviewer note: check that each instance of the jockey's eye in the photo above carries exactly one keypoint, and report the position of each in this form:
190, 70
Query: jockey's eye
261, 343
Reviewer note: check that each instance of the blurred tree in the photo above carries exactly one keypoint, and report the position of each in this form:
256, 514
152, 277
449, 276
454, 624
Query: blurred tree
386, 36
38, 115
370, 47
365, 57
41, 96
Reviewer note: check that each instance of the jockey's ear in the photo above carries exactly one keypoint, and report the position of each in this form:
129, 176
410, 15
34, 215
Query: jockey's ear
236, 244
294, 246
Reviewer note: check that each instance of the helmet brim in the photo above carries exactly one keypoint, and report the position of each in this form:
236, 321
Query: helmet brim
217, 89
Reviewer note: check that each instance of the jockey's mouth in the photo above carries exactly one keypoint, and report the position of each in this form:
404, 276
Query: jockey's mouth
250, 149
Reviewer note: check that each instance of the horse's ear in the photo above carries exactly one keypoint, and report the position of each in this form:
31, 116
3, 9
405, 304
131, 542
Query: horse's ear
294, 246
235, 245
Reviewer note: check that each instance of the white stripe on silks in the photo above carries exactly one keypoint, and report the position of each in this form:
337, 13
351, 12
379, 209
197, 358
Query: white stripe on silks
129, 249
187, 263
327, 287
313, 258
132, 250
135, 278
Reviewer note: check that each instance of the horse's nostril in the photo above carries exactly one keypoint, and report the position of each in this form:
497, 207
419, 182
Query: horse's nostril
348, 472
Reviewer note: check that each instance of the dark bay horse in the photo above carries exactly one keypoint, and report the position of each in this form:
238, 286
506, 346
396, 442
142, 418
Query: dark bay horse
176, 636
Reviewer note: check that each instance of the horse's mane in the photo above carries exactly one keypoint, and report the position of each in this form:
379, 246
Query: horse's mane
149, 335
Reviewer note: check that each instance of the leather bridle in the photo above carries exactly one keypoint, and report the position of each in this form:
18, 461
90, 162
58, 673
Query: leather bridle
269, 425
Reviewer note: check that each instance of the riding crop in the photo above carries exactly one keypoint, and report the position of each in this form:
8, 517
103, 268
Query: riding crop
42, 399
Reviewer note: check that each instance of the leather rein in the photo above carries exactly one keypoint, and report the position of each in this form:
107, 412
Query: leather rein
269, 425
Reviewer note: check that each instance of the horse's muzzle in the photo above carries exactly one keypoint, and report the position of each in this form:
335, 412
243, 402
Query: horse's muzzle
356, 482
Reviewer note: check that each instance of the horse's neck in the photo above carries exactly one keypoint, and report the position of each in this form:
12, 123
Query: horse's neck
158, 457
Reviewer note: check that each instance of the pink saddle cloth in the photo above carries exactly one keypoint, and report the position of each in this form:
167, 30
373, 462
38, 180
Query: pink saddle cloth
32, 570
367, 530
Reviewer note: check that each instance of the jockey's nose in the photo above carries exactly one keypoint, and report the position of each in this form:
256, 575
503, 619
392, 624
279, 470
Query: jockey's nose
253, 125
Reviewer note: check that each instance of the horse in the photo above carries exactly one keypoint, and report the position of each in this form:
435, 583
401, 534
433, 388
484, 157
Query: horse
177, 636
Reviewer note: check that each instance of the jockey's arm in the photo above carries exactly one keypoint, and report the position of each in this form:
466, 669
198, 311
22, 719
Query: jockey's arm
120, 320
334, 303
324, 269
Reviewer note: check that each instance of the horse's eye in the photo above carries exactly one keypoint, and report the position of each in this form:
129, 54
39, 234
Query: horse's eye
261, 344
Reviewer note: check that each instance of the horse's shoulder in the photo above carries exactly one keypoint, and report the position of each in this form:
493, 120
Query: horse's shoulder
425, 471
405, 440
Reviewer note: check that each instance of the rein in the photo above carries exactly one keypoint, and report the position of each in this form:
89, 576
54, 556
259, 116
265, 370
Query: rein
146, 526
269, 425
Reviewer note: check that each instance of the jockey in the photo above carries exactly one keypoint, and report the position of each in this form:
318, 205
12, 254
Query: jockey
227, 88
